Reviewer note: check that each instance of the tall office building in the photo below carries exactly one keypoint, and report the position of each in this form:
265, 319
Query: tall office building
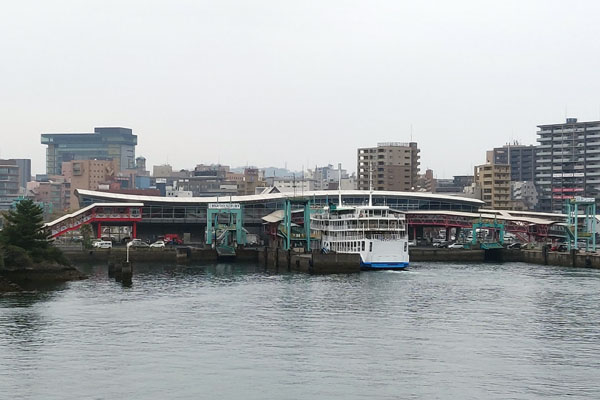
116, 144
521, 159
568, 163
394, 166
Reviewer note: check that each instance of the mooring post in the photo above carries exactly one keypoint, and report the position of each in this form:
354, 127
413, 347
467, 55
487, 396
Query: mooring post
111, 268
126, 273
118, 273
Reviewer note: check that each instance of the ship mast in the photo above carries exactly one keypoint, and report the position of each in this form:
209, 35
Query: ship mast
370, 185
339, 184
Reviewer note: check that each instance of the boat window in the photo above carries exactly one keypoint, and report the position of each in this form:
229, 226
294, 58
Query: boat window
405, 245
363, 245
370, 246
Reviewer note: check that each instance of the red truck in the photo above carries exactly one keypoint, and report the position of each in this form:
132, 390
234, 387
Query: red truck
172, 238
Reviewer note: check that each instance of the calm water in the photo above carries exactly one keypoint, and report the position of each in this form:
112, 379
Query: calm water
235, 332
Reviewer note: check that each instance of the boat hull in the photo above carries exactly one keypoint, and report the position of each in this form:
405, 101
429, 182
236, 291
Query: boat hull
379, 266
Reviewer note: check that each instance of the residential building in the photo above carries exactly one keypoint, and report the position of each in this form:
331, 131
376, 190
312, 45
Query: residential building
521, 159
426, 182
568, 163
494, 182
9, 183
24, 165
56, 192
116, 144
393, 166
250, 182
328, 177
349, 182
455, 185
291, 184
162, 171
89, 175
525, 195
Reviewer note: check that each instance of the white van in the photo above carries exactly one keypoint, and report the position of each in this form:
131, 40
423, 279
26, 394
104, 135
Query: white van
102, 244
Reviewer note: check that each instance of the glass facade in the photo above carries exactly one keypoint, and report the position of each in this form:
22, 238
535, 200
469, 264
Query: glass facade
105, 143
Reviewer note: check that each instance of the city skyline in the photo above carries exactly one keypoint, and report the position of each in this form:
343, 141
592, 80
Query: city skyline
304, 84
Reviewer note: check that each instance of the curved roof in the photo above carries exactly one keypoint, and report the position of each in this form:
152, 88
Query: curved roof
486, 214
272, 196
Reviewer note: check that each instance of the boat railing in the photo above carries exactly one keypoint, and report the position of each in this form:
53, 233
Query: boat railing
361, 236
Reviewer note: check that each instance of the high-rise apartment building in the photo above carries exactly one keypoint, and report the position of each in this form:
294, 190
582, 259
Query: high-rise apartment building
9, 183
494, 182
521, 159
568, 163
116, 144
394, 166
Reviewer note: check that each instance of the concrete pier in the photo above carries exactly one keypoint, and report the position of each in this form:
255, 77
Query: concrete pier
280, 260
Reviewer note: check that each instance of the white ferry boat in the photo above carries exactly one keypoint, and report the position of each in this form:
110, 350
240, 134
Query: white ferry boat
377, 233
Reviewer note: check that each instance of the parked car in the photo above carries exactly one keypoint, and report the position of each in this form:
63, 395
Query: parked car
559, 247
456, 246
138, 243
159, 244
102, 244
515, 246
441, 245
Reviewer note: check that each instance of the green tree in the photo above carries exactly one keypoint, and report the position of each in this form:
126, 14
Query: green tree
86, 232
24, 227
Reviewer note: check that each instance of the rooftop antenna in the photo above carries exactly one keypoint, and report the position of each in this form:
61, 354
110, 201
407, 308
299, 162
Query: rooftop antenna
294, 184
371, 185
339, 184
411, 132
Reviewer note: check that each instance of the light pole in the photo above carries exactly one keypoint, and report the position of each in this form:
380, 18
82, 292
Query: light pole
128, 246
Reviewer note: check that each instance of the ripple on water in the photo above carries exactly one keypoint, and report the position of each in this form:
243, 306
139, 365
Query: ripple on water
230, 331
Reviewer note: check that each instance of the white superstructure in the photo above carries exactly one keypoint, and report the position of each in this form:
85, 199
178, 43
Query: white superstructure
377, 233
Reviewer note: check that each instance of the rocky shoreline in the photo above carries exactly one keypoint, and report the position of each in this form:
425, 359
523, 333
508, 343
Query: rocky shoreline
12, 277
7, 286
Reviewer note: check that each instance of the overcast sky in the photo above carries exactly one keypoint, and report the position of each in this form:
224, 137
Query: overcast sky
299, 82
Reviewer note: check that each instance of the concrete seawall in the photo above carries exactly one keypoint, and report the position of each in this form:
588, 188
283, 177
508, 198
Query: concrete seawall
281, 260
454, 255
564, 259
